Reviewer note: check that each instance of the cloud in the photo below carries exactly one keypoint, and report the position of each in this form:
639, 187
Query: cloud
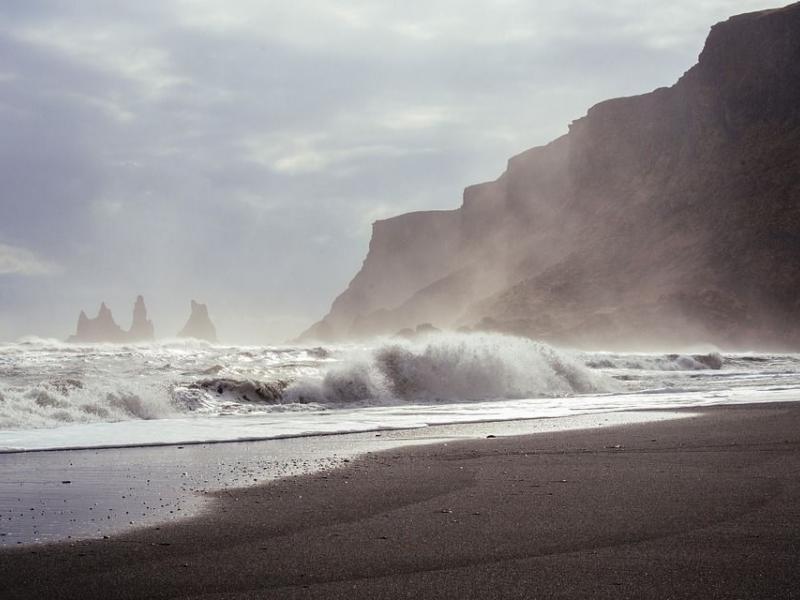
236, 152
19, 261
315, 153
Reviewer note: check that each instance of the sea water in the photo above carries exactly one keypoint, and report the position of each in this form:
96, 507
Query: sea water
56, 395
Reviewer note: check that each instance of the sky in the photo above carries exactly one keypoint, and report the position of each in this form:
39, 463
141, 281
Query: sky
238, 152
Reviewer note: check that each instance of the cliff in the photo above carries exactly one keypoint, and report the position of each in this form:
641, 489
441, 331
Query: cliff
103, 328
669, 218
199, 325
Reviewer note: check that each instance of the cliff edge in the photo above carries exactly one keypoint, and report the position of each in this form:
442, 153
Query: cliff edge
667, 218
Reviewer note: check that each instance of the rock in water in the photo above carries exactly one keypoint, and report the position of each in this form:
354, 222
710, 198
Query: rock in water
141, 327
199, 325
667, 218
102, 328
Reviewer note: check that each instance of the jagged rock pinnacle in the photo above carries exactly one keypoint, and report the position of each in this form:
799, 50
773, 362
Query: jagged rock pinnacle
103, 328
199, 325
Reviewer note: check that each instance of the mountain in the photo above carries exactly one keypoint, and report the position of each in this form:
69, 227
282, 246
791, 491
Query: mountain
199, 325
667, 218
103, 328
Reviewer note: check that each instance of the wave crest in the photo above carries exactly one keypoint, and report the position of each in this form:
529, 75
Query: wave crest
119, 383
61, 401
665, 362
449, 367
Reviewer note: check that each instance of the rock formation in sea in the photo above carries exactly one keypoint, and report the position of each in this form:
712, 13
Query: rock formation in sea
102, 328
199, 325
662, 219
141, 328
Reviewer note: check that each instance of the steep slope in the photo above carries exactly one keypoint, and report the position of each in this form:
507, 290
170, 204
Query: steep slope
671, 217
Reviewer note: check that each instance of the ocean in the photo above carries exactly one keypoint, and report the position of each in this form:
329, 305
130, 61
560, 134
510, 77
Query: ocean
55, 395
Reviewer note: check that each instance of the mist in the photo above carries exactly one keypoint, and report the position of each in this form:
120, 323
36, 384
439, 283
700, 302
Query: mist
649, 225
239, 155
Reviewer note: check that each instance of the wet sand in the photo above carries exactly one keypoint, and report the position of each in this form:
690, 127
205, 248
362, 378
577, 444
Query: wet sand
705, 507
60, 495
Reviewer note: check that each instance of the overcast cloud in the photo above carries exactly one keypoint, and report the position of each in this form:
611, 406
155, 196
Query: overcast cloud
237, 152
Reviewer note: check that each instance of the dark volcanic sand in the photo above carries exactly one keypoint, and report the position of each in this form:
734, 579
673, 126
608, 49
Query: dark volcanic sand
705, 507
63, 495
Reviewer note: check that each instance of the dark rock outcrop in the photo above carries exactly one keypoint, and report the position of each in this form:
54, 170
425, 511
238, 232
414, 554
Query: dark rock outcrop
141, 328
102, 328
199, 325
422, 330
667, 218
263, 392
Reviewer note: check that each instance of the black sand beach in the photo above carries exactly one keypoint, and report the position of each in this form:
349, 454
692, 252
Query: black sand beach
704, 507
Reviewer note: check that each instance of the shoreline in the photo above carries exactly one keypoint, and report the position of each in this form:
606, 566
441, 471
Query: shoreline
321, 434
200, 430
57, 495
686, 508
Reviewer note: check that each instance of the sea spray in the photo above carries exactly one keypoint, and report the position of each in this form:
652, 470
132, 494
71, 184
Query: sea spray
49, 384
450, 367
53, 403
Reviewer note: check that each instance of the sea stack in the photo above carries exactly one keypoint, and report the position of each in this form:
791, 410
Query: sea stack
102, 328
141, 328
199, 325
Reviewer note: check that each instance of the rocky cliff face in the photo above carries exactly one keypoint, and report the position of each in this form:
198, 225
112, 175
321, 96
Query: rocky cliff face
103, 328
671, 217
199, 325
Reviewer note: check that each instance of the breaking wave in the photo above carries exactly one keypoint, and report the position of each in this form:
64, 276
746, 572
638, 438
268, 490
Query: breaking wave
53, 385
46, 383
68, 401
450, 367
659, 362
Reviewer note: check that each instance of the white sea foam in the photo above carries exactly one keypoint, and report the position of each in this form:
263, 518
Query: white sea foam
60, 401
450, 367
274, 391
47, 383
